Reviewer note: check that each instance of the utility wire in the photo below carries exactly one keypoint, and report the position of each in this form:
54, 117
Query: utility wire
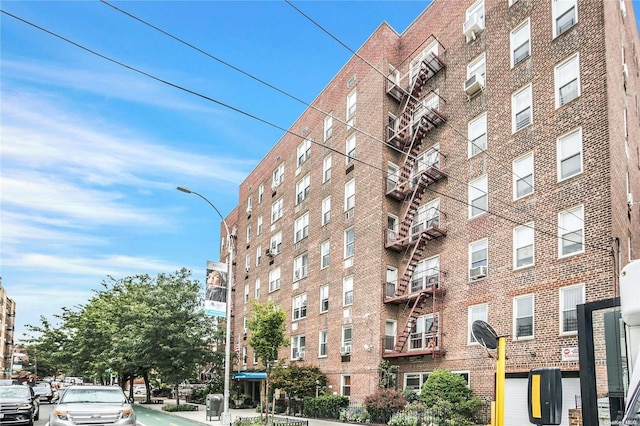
225, 105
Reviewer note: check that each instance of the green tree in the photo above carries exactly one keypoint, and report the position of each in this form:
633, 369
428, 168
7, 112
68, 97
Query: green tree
298, 381
450, 391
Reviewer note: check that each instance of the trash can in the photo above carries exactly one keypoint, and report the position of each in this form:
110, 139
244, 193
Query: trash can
214, 405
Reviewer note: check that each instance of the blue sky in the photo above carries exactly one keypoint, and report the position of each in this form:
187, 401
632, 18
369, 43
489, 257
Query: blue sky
91, 153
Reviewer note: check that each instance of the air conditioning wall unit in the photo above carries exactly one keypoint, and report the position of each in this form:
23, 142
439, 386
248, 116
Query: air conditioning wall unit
472, 26
345, 350
301, 355
478, 272
474, 84
268, 253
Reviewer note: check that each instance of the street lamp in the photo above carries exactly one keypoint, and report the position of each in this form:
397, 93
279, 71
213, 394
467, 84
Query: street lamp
225, 419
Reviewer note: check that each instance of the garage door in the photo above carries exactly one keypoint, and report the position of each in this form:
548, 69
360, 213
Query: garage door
515, 405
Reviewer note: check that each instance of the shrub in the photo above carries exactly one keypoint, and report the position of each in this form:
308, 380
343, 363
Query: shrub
355, 414
449, 391
181, 407
410, 395
325, 406
382, 404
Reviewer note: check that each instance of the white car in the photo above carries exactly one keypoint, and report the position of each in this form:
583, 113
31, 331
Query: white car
91, 405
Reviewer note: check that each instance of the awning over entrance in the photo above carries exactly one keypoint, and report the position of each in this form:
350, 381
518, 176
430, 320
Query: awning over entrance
249, 375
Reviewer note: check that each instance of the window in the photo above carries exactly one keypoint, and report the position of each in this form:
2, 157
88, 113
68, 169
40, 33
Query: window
477, 131
304, 151
351, 104
392, 281
431, 102
571, 231
244, 355
248, 233
256, 290
414, 381
475, 14
260, 193
328, 127
347, 335
349, 242
478, 195
424, 333
302, 188
478, 259
275, 244
300, 267
523, 176
325, 248
520, 43
570, 155
565, 15
427, 216
567, 80
278, 176
523, 317
326, 210
426, 274
347, 291
392, 228
274, 279
477, 66
259, 227
425, 56
258, 255
389, 335
523, 248
349, 195
276, 209
351, 148
323, 339
393, 175
247, 262
476, 312
570, 298
249, 204
345, 385
326, 168
301, 228
297, 346
246, 293
324, 298
299, 310
521, 108
425, 161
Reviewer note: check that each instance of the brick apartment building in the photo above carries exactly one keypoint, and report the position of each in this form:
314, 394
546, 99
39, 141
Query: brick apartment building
483, 164
7, 326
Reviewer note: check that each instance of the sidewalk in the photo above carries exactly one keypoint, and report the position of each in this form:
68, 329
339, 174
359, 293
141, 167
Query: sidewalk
200, 416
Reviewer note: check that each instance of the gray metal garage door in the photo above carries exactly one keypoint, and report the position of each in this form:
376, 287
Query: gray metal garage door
515, 404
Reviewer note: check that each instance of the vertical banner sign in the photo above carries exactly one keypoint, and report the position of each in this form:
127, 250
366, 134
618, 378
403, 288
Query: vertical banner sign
216, 291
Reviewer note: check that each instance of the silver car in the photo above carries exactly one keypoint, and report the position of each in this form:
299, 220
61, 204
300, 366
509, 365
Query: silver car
93, 405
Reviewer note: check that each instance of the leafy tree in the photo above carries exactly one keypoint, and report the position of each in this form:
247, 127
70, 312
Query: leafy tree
388, 374
298, 381
448, 390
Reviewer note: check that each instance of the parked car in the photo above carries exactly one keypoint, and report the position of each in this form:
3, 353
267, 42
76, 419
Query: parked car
44, 392
18, 405
91, 405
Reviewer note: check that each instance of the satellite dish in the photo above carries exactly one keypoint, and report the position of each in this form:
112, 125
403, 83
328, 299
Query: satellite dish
484, 334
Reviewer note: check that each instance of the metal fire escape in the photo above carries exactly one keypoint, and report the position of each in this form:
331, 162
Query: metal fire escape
419, 113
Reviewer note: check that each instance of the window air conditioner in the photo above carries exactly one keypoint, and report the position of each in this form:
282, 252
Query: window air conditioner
478, 272
629, 199
301, 355
249, 210
345, 350
298, 274
244, 331
268, 253
472, 26
474, 84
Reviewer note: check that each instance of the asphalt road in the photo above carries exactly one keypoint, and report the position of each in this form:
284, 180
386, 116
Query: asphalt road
45, 409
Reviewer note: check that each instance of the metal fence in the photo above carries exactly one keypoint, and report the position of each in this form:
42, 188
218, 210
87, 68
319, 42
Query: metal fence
272, 420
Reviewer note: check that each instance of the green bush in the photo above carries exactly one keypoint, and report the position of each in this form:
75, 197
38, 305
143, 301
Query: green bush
382, 404
325, 406
355, 414
181, 407
449, 391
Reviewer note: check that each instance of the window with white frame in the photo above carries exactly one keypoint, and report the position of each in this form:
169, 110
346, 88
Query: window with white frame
567, 80
392, 228
278, 176
347, 291
323, 340
426, 56
521, 43
393, 175
477, 131
392, 281
570, 298
478, 259
476, 312
325, 248
414, 381
347, 335
303, 151
258, 255
425, 161
523, 246
300, 267
328, 127
431, 102
345, 385
390, 327
248, 233
299, 307
426, 275
349, 195
297, 346
571, 231
324, 298
274, 279
276, 209
476, 12
247, 262
477, 66
424, 333
570, 155
326, 168
260, 193
301, 228
259, 227
521, 108
302, 188
523, 176
478, 196
255, 358
256, 290
523, 316
275, 245
326, 210
246, 293
349, 242
350, 149
565, 15
427, 216
249, 204
351, 104
244, 355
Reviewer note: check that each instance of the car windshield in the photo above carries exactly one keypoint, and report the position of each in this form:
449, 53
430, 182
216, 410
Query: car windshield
14, 392
93, 395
